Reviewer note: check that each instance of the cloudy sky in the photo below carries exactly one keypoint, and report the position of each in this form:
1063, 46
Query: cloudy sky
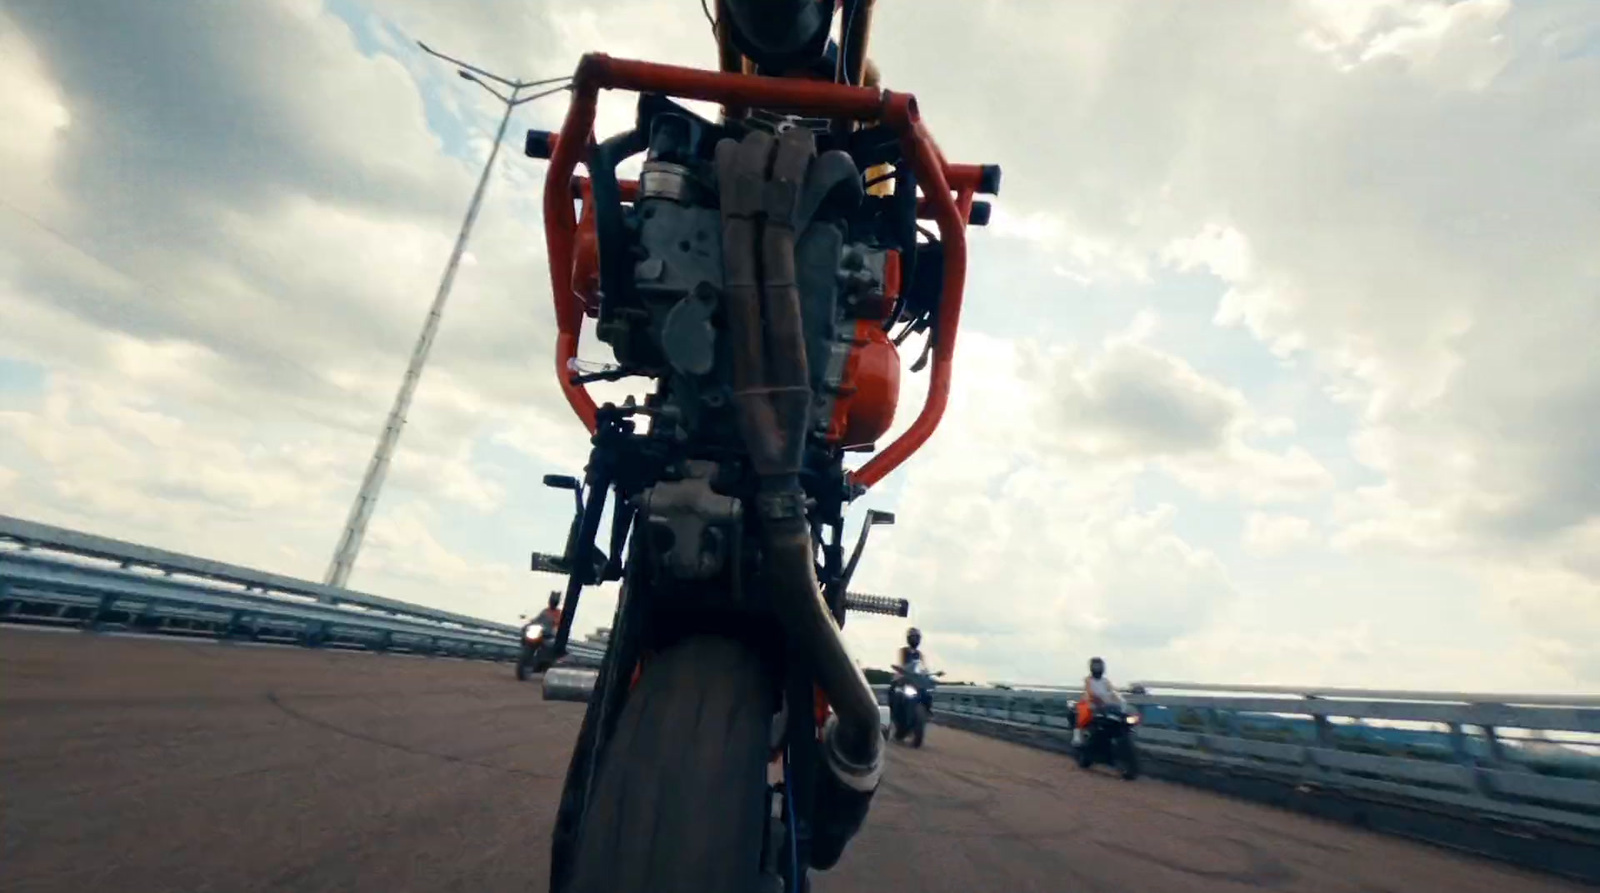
1278, 362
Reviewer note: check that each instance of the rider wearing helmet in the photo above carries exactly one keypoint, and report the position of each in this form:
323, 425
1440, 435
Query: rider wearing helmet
550, 617
537, 635
911, 650
1097, 690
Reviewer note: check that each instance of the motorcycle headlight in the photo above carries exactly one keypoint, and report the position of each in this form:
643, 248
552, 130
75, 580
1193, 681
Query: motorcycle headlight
909, 691
1133, 719
530, 633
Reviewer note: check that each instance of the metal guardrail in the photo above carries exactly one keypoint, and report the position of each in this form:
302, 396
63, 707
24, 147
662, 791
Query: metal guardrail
1472, 763
1378, 694
583, 654
33, 535
50, 574
1321, 738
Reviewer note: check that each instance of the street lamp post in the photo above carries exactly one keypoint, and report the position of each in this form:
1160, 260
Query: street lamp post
355, 528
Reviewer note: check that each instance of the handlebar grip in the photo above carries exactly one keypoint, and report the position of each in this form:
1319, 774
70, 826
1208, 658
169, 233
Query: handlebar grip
989, 180
539, 144
876, 604
550, 564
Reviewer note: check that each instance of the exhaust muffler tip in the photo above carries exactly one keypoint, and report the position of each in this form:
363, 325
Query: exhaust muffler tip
857, 765
569, 683
843, 794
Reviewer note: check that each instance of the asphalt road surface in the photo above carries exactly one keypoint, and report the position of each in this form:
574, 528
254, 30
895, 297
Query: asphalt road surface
130, 764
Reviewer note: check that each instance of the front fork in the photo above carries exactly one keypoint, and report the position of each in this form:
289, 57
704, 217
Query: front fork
827, 810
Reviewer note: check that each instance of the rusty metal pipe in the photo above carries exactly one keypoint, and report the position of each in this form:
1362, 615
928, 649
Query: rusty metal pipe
772, 398
729, 59
788, 377
786, 95
739, 172
853, 63
856, 744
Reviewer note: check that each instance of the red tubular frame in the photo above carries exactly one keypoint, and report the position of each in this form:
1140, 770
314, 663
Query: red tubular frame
937, 178
629, 192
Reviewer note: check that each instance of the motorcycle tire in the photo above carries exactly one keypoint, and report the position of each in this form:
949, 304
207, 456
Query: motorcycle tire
919, 725
1085, 758
522, 671
680, 802
1129, 759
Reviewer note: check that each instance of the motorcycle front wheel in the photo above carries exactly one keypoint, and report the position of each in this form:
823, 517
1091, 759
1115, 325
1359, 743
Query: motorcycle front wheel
680, 802
919, 724
1128, 757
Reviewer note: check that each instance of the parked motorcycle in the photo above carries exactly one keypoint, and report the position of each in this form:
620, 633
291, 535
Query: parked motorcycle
911, 701
762, 273
1109, 739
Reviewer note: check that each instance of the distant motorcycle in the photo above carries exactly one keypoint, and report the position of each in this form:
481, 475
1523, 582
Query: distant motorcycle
911, 701
1109, 739
535, 658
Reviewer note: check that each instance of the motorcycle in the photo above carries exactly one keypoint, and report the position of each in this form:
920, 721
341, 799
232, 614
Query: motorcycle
534, 657
911, 701
1109, 739
762, 272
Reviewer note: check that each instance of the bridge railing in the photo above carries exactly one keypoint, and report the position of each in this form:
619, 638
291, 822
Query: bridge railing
1531, 758
51, 574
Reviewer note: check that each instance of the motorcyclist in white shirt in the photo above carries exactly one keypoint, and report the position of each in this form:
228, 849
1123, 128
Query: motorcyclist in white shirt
909, 652
1097, 690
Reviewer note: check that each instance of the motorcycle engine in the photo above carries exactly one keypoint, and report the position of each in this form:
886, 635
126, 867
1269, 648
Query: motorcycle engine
666, 316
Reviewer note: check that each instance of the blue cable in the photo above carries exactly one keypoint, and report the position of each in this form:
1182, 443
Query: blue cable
794, 843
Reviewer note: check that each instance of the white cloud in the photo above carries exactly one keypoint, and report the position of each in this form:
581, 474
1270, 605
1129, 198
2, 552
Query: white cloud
35, 115
216, 387
1558, 606
1019, 537
1391, 194
1388, 191
1448, 43
1267, 534
1132, 402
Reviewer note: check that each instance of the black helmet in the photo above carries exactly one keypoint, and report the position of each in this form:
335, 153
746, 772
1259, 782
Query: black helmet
555, 599
1097, 667
913, 637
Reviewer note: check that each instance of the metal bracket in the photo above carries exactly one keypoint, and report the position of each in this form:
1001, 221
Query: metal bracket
692, 530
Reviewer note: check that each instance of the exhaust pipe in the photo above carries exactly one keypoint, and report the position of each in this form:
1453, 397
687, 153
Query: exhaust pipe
854, 742
772, 395
853, 65
569, 683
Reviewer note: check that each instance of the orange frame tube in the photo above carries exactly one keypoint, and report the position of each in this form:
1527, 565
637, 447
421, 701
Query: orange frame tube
628, 190
947, 188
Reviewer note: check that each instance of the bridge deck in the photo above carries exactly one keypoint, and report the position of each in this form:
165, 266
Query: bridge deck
132, 765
